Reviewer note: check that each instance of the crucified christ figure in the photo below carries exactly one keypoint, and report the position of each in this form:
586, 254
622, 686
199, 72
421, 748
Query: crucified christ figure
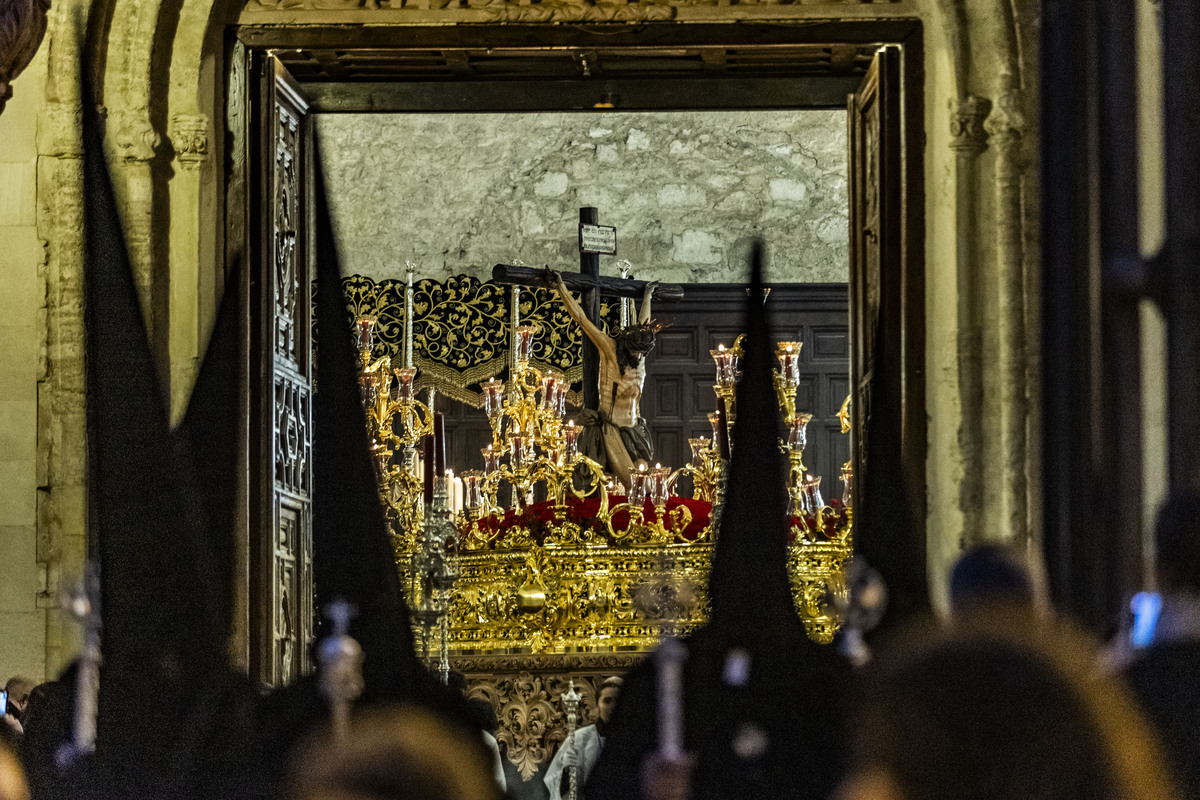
615, 435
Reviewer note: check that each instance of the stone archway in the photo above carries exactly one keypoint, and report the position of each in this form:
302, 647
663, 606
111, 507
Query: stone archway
164, 77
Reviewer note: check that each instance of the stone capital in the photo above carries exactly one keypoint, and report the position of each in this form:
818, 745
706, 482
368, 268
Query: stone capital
967, 128
189, 138
1008, 123
136, 139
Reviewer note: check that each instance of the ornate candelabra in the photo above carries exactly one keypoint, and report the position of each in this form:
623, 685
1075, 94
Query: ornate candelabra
661, 527
396, 421
531, 445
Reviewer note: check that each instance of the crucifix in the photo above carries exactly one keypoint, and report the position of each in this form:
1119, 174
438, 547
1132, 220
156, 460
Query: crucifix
591, 286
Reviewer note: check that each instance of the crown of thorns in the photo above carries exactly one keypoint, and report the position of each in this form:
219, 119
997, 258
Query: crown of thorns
639, 333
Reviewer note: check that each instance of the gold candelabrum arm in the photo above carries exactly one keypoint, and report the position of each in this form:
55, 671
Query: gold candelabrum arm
785, 393
416, 421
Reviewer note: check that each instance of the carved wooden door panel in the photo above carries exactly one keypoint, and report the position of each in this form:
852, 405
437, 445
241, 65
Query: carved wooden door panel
283, 622
876, 181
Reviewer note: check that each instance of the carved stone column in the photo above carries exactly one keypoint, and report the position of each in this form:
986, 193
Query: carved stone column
22, 27
969, 142
137, 145
1007, 128
190, 305
62, 496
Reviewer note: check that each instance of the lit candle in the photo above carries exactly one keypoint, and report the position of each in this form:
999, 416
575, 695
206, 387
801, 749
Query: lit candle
637, 487
365, 326
699, 447
382, 456
493, 394
788, 354
516, 446
550, 391
472, 490
366, 388
658, 485
404, 383
491, 460
524, 336
571, 440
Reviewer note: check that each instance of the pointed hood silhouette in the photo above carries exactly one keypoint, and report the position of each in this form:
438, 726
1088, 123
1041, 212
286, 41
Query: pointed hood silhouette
749, 584
761, 702
353, 559
207, 438
162, 641
352, 551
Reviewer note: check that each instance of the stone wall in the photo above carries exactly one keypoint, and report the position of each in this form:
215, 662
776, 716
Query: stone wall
22, 345
687, 191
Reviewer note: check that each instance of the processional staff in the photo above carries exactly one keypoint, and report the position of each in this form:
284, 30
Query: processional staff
669, 660
571, 700
84, 605
341, 668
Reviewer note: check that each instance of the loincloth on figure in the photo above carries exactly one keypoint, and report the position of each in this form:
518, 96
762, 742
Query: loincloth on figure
614, 447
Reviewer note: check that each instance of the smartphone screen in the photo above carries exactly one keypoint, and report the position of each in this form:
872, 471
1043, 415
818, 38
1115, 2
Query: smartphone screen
3, 702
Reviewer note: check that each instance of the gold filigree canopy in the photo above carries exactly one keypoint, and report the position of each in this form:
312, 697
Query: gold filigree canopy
461, 330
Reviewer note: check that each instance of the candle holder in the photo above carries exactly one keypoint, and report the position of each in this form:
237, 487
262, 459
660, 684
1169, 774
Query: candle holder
787, 378
491, 460
404, 384
396, 422
665, 527
364, 329
570, 442
493, 398
523, 339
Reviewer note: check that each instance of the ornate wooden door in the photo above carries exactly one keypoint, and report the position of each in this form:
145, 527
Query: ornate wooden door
282, 301
888, 477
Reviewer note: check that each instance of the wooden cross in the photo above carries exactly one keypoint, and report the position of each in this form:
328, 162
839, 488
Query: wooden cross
591, 286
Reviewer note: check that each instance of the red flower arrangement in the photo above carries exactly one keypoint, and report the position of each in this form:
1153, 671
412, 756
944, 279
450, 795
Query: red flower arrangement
538, 518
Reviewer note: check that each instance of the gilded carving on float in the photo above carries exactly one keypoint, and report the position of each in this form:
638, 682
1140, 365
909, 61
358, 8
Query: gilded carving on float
530, 712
